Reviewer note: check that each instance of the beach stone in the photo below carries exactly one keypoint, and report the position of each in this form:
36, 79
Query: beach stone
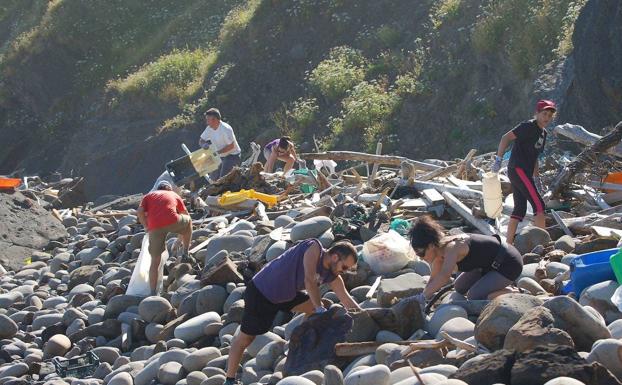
233, 297
260, 341
88, 255
327, 238
212, 329
529, 271
283, 221
405, 285
8, 328
58, 345
96, 315
314, 375
375, 375
310, 228
599, 296
229, 243
170, 372
443, 314
211, 298
119, 303
8, 299
530, 237
152, 332
499, 316
217, 379
564, 381
147, 374
460, 328
70, 221
14, 370
565, 243
192, 330
536, 327
103, 370
73, 314
53, 302
195, 378
295, 380
615, 328
275, 250
386, 350
46, 320
267, 356
107, 354
531, 286
198, 359
427, 378
122, 378
444, 370
608, 352
578, 322
332, 375
387, 336
154, 309
555, 268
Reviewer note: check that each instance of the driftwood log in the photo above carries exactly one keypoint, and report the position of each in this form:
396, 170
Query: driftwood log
583, 136
585, 158
369, 158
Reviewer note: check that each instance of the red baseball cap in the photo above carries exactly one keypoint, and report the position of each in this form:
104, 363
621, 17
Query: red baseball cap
545, 105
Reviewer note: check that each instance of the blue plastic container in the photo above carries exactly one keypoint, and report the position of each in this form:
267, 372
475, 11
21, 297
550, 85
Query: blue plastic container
589, 269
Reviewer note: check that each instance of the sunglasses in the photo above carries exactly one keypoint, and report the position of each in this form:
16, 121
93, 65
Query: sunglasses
420, 251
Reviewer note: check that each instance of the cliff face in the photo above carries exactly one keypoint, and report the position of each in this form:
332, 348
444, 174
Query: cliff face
110, 90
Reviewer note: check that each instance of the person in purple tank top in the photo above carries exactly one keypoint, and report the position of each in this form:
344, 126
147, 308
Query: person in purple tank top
280, 149
279, 287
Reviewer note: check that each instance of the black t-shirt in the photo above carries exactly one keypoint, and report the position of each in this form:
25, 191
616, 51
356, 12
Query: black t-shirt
529, 143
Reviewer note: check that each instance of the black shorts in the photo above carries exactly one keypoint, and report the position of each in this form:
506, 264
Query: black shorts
259, 312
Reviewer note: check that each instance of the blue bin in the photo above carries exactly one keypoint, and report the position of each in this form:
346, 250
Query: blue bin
589, 269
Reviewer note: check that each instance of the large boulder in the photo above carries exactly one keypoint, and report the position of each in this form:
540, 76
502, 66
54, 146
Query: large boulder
608, 352
310, 228
154, 309
393, 289
211, 298
500, 315
532, 367
535, 328
599, 296
228, 243
191, 330
584, 327
376, 375
25, 229
530, 237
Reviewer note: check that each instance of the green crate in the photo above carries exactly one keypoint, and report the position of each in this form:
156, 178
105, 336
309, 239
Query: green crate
78, 367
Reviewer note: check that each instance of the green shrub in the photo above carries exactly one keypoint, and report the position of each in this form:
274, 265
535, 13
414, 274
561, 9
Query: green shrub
341, 71
236, 21
528, 32
388, 35
173, 77
445, 10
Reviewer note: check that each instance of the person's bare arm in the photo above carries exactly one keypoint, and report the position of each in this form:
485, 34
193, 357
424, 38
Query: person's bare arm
536, 169
506, 139
227, 148
142, 216
310, 261
339, 288
453, 251
270, 162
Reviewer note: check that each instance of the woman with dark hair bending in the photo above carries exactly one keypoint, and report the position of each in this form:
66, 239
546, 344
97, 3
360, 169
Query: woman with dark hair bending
280, 149
487, 264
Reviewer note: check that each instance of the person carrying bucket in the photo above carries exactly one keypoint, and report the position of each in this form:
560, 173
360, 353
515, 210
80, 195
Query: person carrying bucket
529, 138
280, 149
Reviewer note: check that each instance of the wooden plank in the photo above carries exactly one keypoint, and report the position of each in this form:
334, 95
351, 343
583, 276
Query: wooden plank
369, 158
607, 232
432, 196
561, 223
456, 191
465, 212
605, 186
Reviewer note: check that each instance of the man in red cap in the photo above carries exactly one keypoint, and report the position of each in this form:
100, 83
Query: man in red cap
529, 139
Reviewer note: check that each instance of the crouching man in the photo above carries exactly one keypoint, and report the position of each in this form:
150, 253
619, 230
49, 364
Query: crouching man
279, 285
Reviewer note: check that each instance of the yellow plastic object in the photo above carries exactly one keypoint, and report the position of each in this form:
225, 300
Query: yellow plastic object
204, 161
233, 198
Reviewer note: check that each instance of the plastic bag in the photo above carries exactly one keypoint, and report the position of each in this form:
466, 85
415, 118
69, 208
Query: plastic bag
139, 282
388, 252
616, 298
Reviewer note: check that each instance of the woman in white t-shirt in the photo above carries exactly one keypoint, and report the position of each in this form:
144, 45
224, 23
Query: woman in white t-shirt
221, 135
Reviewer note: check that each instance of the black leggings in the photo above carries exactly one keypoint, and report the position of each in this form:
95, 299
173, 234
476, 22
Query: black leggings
524, 189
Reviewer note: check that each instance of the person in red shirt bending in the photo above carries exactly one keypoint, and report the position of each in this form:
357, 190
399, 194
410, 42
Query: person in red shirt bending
162, 212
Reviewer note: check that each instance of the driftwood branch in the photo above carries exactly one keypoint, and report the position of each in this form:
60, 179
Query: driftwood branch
583, 136
585, 158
